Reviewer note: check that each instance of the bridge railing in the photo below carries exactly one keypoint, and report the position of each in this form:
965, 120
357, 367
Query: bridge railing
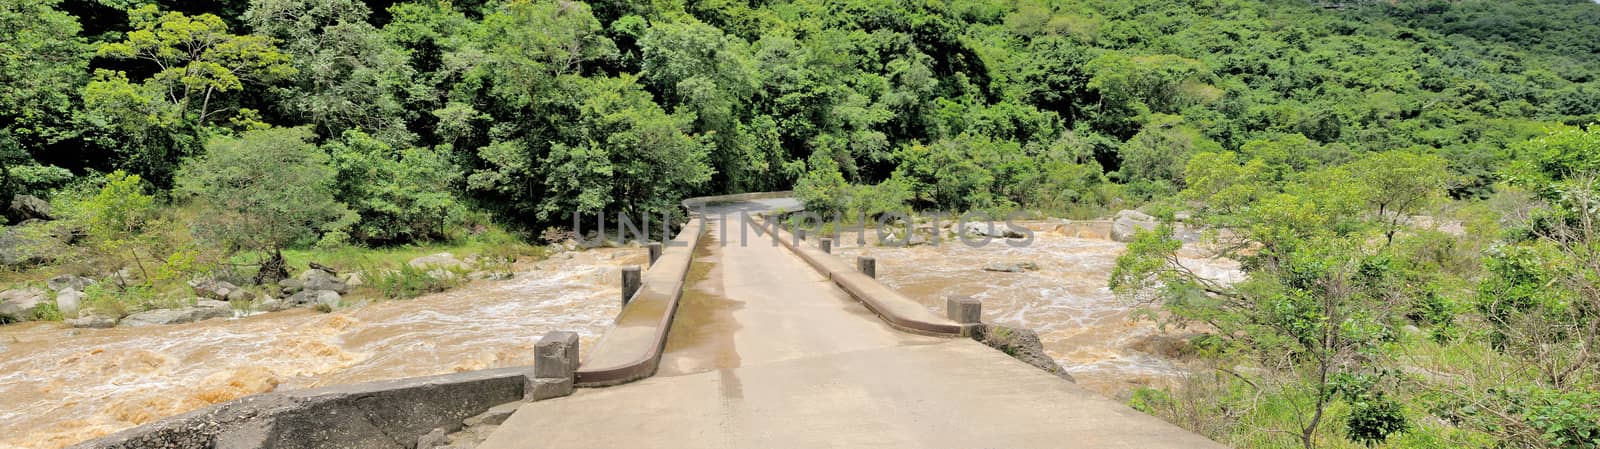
896, 309
631, 350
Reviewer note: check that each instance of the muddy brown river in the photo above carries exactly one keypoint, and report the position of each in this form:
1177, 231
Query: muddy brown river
1088, 330
60, 386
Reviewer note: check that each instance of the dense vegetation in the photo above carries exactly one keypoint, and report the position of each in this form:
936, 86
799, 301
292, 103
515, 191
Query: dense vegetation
1305, 134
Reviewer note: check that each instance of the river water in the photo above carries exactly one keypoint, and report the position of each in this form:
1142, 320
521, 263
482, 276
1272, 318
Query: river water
60, 386
1093, 334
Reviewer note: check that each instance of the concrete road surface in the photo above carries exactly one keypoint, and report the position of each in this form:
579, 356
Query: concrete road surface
766, 353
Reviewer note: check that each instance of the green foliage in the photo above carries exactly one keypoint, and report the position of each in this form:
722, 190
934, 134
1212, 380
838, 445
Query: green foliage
197, 64
1158, 152
348, 76
410, 282
400, 195
47, 311
42, 64
1568, 420
265, 190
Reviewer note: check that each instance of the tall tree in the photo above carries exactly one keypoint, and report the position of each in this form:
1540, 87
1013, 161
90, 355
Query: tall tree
156, 122
43, 61
349, 75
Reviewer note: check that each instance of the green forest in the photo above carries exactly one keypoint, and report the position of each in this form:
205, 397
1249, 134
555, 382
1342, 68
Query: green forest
1311, 139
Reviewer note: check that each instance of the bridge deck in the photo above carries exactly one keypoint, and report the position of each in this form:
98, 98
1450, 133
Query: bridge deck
766, 353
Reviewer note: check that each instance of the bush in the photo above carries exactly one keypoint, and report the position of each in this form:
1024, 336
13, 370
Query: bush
265, 190
47, 311
401, 195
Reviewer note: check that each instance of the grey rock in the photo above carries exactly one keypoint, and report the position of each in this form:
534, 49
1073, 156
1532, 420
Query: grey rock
315, 279
22, 246
291, 286
1021, 344
213, 289
67, 281
18, 304
1129, 222
1011, 267
69, 301
204, 310
990, 229
313, 297
274, 305
93, 322
29, 207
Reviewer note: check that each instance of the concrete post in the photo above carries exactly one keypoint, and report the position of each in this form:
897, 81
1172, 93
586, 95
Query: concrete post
868, 266
800, 234
826, 244
964, 309
631, 281
655, 252
556, 355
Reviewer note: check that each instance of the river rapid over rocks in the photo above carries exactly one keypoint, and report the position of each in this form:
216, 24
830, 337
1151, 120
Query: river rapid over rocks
1057, 286
60, 386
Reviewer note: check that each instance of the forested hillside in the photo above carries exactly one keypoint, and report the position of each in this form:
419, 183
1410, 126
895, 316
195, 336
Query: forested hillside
180, 135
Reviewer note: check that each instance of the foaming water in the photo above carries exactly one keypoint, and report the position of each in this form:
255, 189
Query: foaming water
1083, 325
62, 386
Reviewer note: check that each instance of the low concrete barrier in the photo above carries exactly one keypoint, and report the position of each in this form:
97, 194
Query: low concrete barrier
376, 415
894, 308
631, 350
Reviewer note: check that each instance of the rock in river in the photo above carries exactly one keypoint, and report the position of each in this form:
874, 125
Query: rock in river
1129, 222
203, 310
1011, 267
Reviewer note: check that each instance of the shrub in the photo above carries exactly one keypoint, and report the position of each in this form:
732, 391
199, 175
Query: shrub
47, 311
264, 190
401, 195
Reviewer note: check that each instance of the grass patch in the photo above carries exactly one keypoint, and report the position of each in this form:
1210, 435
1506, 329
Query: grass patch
410, 282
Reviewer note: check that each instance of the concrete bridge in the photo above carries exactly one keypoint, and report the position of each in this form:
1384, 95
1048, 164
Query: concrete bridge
773, 346
721, 345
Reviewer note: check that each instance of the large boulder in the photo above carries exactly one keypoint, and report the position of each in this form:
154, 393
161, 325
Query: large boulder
215, 289
1129, 222
69, 301
313, 297
990, 229
19, 304
314, 279
29, 207
204, 309
24, 245
68, 281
